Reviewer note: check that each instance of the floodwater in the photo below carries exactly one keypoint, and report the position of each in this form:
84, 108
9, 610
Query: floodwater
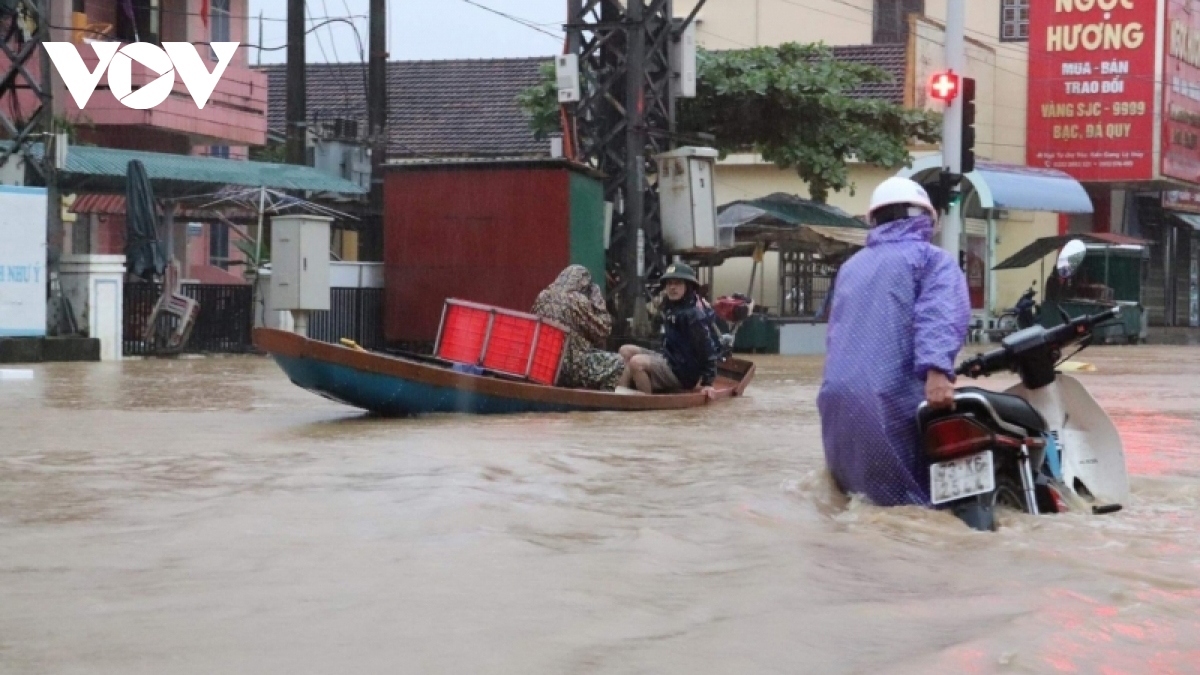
206, 516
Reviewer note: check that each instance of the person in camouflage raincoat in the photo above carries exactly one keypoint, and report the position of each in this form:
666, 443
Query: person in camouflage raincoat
574, 301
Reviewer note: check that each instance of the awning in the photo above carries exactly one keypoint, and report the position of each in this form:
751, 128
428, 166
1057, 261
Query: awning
788, 222
93, 169
1010, 186
1188, 218
784, 210
1047, 245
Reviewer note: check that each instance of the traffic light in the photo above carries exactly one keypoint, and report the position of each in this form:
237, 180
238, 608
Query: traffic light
944, 86
968, 125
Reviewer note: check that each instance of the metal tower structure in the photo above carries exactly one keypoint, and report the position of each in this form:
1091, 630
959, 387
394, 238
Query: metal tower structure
23, 32
624, 118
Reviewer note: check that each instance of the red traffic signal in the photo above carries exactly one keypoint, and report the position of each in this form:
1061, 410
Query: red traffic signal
944, 86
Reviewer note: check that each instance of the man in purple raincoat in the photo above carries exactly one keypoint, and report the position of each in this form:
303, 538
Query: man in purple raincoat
900, 315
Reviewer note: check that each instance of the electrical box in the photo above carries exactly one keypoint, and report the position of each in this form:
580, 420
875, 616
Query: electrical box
566, 70
351, 161
683, 63
300, 262
686, 198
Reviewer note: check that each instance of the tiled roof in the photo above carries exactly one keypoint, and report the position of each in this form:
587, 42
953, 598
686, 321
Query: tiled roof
435, 108
468, 108
892, 59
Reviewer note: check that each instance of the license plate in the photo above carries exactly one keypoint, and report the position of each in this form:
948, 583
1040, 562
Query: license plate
961, 478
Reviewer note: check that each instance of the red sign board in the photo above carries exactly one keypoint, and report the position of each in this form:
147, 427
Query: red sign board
1091, 88
1181, 92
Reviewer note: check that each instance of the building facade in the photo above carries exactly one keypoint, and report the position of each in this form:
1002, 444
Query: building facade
906, 38
233, 120
1114, 100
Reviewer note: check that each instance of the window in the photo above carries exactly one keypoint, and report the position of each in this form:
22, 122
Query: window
221, 151
891, 20
1014, 20
146, 25
218, 245
218, 21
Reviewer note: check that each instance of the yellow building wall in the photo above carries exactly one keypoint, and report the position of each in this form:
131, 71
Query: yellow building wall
1012, 235
734, 24
998, 67
1010, 83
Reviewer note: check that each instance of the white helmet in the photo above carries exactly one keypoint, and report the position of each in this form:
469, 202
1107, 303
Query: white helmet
898, 191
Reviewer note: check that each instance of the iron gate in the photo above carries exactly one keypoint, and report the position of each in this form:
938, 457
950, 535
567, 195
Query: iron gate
223, 325
805, 281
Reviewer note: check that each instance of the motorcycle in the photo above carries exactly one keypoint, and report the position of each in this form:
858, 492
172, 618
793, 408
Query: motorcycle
1043, 446
1022, 315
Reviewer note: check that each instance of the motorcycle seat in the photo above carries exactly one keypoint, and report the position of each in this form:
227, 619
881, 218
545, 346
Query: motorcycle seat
1011, 409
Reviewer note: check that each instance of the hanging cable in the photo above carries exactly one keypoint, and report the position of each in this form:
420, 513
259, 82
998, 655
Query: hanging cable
515, 19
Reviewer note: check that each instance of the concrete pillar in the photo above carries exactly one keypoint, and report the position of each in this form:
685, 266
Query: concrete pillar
94, 285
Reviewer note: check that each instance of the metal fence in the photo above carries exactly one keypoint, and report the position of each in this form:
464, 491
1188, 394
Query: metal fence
223, 325
226, 318
805, 281
355, 313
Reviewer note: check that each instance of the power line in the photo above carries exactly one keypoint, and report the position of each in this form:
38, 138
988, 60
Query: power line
332, 37
516, 19
247, 45
320, 42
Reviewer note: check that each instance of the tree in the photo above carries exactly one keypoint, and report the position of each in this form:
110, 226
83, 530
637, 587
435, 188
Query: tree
793, 104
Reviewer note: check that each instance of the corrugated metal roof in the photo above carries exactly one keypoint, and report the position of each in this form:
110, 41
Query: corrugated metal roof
184, 171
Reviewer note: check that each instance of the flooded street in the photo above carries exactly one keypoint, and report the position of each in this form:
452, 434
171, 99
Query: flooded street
206, 516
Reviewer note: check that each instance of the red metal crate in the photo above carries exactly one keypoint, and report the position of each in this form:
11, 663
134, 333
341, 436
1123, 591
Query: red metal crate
501, 340
463, 333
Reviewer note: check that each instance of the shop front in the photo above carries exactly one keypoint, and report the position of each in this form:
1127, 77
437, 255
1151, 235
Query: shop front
1096, 111
992, 196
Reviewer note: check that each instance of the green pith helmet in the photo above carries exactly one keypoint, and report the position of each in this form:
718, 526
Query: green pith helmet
681, 272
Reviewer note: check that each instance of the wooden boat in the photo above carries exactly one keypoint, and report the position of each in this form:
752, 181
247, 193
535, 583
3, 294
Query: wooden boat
410, 385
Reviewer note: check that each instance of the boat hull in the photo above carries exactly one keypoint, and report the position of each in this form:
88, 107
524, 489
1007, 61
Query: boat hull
397, 386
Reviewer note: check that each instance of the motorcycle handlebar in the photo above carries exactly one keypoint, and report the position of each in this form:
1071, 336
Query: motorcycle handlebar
983, 364
999, 359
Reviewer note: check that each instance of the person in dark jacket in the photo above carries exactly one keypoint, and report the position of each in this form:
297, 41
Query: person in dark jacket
689, 357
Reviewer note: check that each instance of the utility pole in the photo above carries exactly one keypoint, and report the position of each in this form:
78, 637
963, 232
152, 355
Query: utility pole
952, 125
624, 119
60, 323
297, 98
377, 98
632, 255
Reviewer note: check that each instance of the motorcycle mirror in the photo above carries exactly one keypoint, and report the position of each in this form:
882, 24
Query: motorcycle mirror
1070, 258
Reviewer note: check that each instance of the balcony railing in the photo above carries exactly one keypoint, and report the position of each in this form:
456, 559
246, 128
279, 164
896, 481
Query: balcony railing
235, 114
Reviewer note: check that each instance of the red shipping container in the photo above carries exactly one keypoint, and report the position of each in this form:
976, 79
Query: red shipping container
496, 232
501, 340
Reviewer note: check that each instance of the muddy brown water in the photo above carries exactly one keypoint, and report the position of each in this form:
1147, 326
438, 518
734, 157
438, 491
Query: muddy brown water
206, 516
